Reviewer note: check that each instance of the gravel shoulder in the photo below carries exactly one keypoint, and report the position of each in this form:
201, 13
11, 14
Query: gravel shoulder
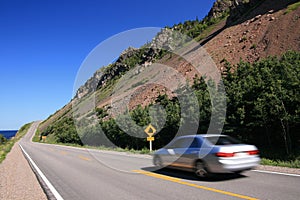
17, 180
279, 169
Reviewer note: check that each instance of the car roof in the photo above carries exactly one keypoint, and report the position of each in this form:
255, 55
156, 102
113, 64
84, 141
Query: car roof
202, 135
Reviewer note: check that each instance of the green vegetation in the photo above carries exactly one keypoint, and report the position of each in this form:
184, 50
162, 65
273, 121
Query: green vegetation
263, 106
253, 46
295, 163
3, 140
114, 72
292, 7
206, 32
264, 103
195, 28
104, 92
6, 145
63, 131
37, 136
243, 39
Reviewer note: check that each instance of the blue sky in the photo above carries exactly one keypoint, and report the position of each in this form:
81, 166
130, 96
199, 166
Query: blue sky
44, 42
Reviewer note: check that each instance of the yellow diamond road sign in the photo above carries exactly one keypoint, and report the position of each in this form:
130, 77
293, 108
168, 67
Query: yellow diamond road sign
150, 130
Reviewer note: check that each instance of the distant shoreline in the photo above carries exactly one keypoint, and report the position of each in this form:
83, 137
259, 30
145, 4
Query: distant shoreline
8, 133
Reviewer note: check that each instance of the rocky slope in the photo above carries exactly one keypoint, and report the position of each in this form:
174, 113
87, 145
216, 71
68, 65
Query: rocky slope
122, 64
246, 30
269, 30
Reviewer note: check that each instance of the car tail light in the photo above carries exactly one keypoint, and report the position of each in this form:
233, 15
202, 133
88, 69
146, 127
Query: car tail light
253, 152
223, 154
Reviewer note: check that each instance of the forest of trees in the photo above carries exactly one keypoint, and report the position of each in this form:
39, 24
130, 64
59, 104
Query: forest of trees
263, 108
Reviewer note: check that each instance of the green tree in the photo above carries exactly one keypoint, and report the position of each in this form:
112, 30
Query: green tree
2, 139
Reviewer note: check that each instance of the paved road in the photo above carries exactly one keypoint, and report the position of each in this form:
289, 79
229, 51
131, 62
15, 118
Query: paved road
90, 174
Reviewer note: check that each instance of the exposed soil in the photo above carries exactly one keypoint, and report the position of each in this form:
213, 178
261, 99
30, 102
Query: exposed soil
269, 33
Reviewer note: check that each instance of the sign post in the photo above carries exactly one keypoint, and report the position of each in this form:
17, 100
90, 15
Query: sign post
150, 131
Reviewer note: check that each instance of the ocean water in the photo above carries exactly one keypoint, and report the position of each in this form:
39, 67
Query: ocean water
9, 134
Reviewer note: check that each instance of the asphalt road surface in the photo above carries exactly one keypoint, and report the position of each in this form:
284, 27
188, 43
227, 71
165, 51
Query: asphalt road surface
90, 174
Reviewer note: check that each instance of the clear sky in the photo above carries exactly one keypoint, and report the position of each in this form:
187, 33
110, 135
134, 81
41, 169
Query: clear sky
44, 42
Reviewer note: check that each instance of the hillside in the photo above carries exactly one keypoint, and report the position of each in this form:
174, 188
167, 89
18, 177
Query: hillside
269, 30
248, 30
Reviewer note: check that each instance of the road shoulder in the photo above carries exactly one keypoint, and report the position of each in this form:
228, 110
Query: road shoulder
17, 180
286, 170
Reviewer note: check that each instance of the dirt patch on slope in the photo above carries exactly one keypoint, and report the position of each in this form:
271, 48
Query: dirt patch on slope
269, 34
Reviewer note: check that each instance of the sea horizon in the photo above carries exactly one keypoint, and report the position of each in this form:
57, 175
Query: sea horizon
8, 133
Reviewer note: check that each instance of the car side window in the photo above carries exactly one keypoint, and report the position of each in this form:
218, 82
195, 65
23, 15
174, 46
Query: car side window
177, 144
186, 143
194, 143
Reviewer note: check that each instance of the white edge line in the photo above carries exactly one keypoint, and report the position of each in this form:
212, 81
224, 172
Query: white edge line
279, 173
47, 182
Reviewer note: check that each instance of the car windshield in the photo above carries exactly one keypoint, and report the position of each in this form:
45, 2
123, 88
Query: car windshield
222, 140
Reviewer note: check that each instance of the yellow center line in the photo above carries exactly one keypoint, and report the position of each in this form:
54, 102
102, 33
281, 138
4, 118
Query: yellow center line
63, 152
157, 175
177, 180
51, 149
84, 158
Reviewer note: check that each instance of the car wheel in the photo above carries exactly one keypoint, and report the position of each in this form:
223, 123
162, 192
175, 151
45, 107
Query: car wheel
157, 162
200, 169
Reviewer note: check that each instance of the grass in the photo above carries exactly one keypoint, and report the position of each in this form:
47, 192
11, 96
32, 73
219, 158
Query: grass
104, 92
253, 46
142, 82
278, 158
281, 163
292, 7
118, 149
6, 147
209, 30
50, 138
36, 137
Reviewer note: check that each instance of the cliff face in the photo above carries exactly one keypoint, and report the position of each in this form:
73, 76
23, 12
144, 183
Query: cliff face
236, 8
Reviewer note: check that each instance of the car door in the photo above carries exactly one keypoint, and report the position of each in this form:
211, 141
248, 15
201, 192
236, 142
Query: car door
189, 152
173, 152
184, 151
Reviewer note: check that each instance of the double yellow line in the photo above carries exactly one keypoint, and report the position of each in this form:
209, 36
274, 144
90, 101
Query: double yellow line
177, 180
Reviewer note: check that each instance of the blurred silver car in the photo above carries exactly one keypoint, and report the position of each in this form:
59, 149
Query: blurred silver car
206, 154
